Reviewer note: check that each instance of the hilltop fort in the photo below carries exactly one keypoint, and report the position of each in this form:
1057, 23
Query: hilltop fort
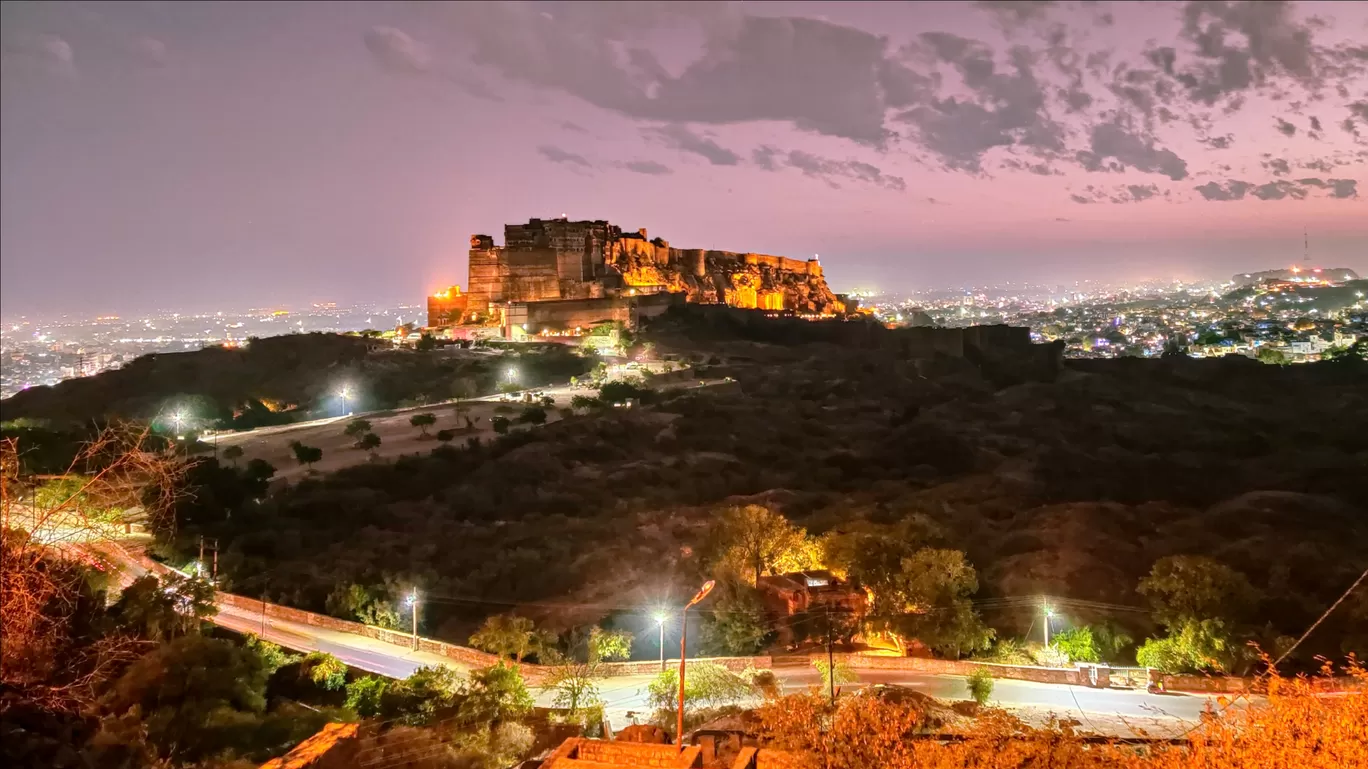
597, 267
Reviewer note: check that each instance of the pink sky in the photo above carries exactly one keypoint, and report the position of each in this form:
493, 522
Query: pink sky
198, 156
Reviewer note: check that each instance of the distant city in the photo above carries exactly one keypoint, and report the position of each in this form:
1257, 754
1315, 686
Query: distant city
1291, 315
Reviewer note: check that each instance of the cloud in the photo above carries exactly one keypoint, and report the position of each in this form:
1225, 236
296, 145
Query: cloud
1008, 108
1112, 140
151, 51
1277, 166
826, 169
681, 138
572, 126
396, 52
1286, 128
1016, 12
1231, 190
558, 155
647, 167
1278, 190
1339, 188
1242, 45
1219, 142
1129, 193
1315, 123
40, 54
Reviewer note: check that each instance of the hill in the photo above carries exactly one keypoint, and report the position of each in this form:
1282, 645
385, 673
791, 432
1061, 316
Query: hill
1068, 485
273, 380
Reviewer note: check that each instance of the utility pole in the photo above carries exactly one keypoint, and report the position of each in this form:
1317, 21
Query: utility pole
831, 666
199, 565
214, 575
413, 602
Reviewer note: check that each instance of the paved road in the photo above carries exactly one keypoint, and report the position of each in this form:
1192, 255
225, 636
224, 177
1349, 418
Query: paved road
1099, 709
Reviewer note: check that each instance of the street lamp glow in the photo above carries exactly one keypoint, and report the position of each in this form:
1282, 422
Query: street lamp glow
512, 374
660, 617
683, 654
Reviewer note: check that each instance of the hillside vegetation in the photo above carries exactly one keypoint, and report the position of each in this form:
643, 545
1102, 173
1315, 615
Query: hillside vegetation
275, 380
1070, 487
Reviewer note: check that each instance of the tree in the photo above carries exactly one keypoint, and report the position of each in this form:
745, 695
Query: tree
1077, 644
755, 538
306, 455
1182, 588
425, 342
364, 695
446, 436
356, 428
736, 623
192, 696
607, 645
928, 599
496, 693
363, 605
259, 471
369, 442
233, 454
508, 635
423, 422
418, 699
1193, 646
584, 402
324, 670
575, 687
161, 610
500, 424
845, 674
533, 415
706, 685
273, 657
1270, 355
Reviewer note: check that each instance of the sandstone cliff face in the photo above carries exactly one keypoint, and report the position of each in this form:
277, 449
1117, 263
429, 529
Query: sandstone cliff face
751, 281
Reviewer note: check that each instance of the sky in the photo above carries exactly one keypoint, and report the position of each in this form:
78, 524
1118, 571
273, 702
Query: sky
209, 155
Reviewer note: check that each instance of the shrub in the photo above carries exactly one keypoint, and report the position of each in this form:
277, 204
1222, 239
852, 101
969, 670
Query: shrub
980, 684
364, 695
326, 671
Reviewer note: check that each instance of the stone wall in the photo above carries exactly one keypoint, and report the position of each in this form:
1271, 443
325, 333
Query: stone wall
958, 668
600, 754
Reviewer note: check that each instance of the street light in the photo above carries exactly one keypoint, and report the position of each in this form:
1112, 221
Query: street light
1048, 614
683, 653
412, 601
660, 618
345, 395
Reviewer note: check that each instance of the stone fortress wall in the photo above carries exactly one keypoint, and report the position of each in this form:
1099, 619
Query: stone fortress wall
559, 259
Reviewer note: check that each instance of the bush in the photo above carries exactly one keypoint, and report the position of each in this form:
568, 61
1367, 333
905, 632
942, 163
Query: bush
365, 694
496, 693
326, 671
500, 424
980, 684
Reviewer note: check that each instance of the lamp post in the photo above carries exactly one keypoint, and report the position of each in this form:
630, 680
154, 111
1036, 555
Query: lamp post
345, 395
683, 654
412, 601
660, 618
1048, 614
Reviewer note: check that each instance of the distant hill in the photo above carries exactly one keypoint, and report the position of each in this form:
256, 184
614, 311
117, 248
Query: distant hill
1336, 274
276, 379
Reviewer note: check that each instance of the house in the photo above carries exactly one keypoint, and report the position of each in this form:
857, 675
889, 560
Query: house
802, 592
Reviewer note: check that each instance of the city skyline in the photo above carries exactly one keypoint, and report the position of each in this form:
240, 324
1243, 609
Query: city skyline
247, 155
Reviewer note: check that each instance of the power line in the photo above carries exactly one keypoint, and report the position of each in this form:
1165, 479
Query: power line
1321, 618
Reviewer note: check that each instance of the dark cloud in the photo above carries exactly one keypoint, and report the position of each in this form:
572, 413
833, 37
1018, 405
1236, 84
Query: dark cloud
1278, 190
1219, 142
558, 155
395, 51
572, 126
1016, 12
1241, 45
1344, 188
646, 167
1129, 193
830, 171
681, 138
1231, 190
1277, 166
1286, 128
1315, 123
1129, 149
1008, 109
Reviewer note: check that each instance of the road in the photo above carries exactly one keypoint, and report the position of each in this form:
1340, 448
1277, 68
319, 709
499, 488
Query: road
1109, 711
397, 436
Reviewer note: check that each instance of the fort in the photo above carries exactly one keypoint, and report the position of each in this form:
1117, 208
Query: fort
548, 260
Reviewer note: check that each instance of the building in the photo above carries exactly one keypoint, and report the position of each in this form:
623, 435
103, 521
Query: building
809, 591
446, 307
558, 259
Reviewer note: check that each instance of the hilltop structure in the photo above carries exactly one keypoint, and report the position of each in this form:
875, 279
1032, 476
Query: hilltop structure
562, 260
1328, 276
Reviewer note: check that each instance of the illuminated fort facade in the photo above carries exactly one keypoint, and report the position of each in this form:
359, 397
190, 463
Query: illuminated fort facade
548, 260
